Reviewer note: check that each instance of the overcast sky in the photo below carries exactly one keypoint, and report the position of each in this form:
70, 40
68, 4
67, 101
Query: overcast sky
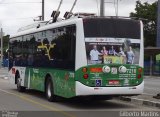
14, 15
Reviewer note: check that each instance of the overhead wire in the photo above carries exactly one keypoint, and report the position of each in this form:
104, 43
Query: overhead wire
6, 3
17, 18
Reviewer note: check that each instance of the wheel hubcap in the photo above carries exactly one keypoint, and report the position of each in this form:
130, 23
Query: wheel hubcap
49, 90
18, 83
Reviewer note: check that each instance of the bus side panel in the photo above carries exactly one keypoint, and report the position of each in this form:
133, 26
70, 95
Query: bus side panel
12, 74
63, 81
81, 58
34, 79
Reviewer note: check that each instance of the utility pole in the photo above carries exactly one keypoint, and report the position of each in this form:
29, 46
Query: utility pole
1, 46
102, 8
158, 37
42, 10
158, 25
117, 7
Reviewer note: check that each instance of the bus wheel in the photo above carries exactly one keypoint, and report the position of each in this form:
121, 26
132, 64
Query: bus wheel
19, 87
50, 91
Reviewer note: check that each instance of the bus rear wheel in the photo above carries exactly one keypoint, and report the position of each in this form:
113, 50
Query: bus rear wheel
20, 88
49, 90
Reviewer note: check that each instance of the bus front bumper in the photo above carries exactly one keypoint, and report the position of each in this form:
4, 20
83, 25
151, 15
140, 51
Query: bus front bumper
83, 90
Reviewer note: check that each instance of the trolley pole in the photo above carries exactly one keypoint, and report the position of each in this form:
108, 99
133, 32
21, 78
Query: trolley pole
42, 10
1, 33
102, 8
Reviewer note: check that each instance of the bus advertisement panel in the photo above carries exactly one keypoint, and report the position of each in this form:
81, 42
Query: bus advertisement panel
112, 50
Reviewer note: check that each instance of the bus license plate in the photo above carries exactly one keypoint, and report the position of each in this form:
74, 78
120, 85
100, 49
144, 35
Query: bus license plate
113, 82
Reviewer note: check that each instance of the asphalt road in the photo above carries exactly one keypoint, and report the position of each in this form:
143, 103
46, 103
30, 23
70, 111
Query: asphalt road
151, 86
33, 101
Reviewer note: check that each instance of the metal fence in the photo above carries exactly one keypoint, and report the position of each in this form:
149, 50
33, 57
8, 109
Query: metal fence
4, 63
152, 70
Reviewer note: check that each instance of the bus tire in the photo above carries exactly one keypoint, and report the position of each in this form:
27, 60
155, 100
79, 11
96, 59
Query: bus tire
49, 90
19, 87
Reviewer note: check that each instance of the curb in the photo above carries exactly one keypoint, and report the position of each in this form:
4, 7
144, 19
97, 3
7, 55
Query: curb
140, 101
151, 77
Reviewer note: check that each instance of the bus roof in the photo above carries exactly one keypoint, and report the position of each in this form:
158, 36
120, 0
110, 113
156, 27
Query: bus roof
70, 21
46, 27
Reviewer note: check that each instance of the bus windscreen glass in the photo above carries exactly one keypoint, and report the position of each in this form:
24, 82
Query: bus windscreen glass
112, 41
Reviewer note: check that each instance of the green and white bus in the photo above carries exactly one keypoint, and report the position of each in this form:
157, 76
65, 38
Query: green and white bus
89, 56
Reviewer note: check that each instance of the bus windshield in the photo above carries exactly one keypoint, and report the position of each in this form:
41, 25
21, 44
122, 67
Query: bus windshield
114, 41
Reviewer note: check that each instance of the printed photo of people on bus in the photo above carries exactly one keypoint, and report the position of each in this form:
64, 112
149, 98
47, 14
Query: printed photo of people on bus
113, 52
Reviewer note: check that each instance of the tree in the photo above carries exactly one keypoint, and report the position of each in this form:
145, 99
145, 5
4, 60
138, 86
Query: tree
5, 44
148, 12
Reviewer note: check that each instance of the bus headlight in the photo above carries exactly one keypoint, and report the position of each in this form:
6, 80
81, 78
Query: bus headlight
122, 69
106, 69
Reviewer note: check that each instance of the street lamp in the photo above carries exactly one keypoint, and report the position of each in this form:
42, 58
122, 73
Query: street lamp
42, 10
1, 36
158, 37
102, 8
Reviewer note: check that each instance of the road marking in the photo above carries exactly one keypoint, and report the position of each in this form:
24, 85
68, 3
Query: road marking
37, 103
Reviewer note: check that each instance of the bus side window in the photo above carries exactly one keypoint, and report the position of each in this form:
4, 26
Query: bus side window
10, 54
64, 51
16, 51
